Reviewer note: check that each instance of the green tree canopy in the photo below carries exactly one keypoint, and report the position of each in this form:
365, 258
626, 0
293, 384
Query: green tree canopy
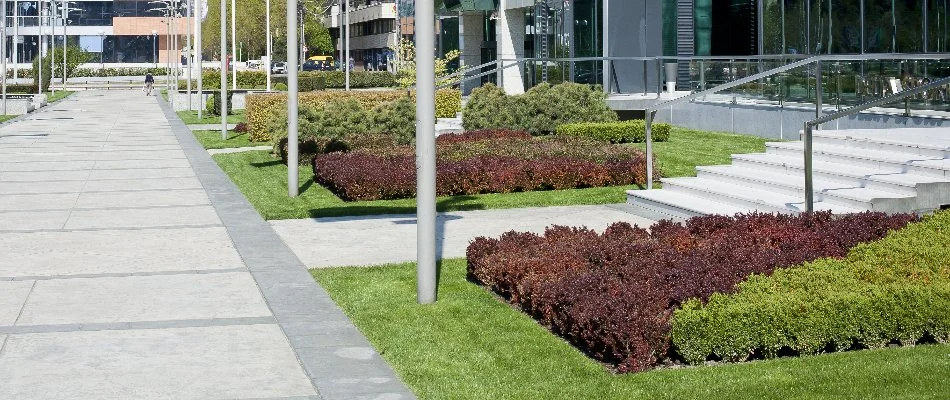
251, 28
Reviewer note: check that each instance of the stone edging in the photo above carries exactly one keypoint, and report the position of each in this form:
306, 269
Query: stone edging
338, 359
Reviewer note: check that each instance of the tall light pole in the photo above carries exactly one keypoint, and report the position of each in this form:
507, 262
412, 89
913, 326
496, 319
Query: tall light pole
233, 45
154, 47
52, 44
102, 40
293, 96
425, 153
102, 47
270, 56
16, 36
224, 70
198, 55
3, 50
188, 52
346, 22
39, 51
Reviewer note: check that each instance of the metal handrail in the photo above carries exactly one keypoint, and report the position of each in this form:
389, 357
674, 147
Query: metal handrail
650, 112
810, 126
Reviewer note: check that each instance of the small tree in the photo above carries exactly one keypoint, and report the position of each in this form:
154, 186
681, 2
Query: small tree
406, 75
75, 56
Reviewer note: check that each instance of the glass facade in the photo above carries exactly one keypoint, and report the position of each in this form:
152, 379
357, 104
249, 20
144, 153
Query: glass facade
564, 29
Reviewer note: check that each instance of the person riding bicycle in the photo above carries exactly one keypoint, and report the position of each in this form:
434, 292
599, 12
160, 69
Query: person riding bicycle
149, 82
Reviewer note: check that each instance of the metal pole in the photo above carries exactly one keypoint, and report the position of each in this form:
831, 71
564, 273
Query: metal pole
176, 61
809, 185
39, 52
425, 153
818, 99
648, 138
3, 50
293, 97
233, 45
188, 46
198, 56
224, 70
52, 44
66, 41
346, 31
270, 58
16, 35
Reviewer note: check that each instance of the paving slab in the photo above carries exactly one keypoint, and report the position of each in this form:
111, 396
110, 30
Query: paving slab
142, 199
116, 251
327, 242
13, 296
33, 220
219, 362
150, 217
143, 298
112, 185
26, 202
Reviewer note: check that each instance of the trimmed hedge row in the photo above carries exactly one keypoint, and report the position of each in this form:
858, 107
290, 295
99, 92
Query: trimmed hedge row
540, 110
264, 109
617, 132
318, 80
613, 294
466, 167
893, 290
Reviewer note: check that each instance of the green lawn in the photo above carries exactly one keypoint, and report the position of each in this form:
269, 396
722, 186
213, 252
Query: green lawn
212, 140
263, 179
688, 148
191, 117
58, 95
5, 118
472, 346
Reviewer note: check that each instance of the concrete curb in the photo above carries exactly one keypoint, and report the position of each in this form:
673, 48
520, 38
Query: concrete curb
338, 359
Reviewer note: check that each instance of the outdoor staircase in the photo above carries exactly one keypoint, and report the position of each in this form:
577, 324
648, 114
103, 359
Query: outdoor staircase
889, 170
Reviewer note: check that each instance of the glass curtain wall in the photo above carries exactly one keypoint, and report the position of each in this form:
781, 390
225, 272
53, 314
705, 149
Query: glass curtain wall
564, 29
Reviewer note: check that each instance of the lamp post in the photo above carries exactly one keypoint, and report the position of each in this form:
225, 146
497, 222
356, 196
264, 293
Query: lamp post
233, 45
3, 50
66, 11
155, 47
39, 51
425, 153
293, 97
198, 56
346, 31
52, 44
270, 58
224, 70
102, 48
188, 47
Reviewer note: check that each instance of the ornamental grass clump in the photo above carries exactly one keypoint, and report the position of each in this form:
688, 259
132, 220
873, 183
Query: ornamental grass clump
613, 294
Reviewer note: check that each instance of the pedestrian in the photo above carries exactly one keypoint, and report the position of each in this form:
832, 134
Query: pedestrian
149, 82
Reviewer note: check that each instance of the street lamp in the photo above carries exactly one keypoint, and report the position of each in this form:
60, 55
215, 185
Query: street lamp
155, 47
426, 290
293, 97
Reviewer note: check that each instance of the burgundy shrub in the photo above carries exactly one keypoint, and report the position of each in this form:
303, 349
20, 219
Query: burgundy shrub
478, 135
612, 294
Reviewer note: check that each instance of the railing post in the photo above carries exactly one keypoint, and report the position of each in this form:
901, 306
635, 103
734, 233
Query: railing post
809, 185
645, 80
818, 100
702, 76
659, 77
906, 107
648, 138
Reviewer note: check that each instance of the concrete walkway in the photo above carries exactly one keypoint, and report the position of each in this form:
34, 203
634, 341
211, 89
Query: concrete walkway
131, 267
383, 239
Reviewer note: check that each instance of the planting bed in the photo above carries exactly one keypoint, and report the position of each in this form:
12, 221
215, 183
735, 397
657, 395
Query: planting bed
478, 162
613, 295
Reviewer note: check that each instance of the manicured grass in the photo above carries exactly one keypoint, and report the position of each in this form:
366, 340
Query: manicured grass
212, 140
263, 179
470, 345
191, 117
5, 118
688, 148
58, 95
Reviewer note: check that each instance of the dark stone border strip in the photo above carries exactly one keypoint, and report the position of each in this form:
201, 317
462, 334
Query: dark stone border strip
339, 360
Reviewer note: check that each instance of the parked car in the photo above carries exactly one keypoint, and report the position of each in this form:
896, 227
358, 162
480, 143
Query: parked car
278, 67
317, 65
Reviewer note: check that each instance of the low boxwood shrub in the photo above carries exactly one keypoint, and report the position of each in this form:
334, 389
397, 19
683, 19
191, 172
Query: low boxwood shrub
893, 290
613, 294
267, 113
496, 165
540, 110
337, 80
617, 132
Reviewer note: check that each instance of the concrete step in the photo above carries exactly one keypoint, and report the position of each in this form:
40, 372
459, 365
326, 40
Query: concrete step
832, 191
751, 197
877, 159
930, 142
665, 204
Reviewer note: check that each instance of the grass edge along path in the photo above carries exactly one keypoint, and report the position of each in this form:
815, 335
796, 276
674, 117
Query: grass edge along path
191, 118
263, 180
471, 345
211, 139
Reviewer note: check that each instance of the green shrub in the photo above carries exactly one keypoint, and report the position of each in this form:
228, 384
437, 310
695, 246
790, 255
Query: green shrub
540, 110
46, 74
617, 132
397, 119
280, 87
337, 80
213, 105
893, 290
263, 109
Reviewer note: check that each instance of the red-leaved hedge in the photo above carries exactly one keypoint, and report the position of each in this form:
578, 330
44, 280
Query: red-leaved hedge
481, 162
612, 294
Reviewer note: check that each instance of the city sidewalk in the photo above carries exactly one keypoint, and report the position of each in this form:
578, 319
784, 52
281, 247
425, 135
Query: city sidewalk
131, 267
384, 239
